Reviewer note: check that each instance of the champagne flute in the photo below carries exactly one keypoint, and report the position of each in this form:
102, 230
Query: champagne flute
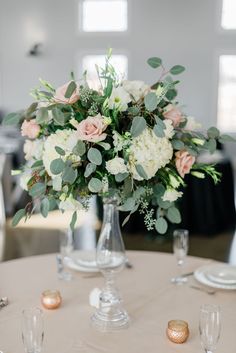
66, 248
32, 330
180, 249
209, 327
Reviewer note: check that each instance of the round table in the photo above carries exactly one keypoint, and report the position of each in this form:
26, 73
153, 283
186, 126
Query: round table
149, 297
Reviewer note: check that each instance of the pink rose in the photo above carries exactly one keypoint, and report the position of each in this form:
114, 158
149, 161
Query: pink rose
184, 162
59, 96
174, 114
30, 129
91, 129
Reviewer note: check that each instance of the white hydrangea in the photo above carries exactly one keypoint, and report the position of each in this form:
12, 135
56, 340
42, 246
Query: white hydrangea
119, 141
119, 99
64, 139
136, 89
116, 165
149, 151
171, 195
33, 149
169, 130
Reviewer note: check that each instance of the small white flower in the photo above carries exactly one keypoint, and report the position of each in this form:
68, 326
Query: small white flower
192, 124
119, 142
24, 179
116, 166
136, 89
169, 130
119, 99
171, 195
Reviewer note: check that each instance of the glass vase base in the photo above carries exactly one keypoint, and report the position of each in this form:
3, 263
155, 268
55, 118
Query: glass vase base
106, 322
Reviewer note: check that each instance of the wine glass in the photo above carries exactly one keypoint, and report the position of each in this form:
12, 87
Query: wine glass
180, 249
32, 330
209, 327
111, 259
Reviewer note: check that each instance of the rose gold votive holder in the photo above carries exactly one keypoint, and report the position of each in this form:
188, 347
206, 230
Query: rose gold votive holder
177, 331
51, 299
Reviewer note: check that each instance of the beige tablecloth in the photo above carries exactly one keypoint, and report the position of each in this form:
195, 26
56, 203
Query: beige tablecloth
148, 296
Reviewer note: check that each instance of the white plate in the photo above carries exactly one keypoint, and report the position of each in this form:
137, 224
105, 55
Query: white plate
222, 274
201, 275
84, 261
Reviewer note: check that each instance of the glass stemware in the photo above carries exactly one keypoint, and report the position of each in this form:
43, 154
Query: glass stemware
111, 259
180, 249
66, 248
32, 330
209, 327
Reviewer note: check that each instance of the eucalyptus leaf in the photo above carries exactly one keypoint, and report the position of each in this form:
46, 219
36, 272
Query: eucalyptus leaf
177, 69
171, 94
211, 145
133, 110
128, 205
42, 116
79, 149
161, 225
141, 171
32, 108
58, 116
105, 145
121, 177
70, 89
151, 101
154, 62
37, 164
90, 169
94, 156
95, 185
57, 166
138, 125
18, 216
12, 119
44, 207
213, 132
177, 144
226, 138
37, 190
173, 215
60, 151
73, 221
159, 127
69, 175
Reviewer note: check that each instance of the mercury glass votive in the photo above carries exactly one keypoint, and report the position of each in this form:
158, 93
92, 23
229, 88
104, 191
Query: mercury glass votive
177, 331
51, 299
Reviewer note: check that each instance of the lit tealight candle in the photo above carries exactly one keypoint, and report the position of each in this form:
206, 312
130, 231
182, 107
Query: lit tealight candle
177, 331
51, 299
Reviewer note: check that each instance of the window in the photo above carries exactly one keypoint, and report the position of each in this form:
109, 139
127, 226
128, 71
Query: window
104, 15
228, 19
227, 93
120, 63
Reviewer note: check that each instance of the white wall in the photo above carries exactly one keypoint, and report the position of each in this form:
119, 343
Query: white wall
179, 31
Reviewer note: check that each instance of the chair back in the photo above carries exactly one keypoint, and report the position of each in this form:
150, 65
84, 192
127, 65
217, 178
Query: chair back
2, 209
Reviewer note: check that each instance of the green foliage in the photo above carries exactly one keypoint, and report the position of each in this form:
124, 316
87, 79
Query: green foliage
58, 116
57, 166
173, 215
141, 171
95, 185
60, 151
70, 89
37, 190
79, 149
12, 119
94, 156
154, 62
73, 221
213, 132
150, 101
161, 225
69, 175
18, 216
90, 169
159, 127
45, 207
138, 125
42, 115
177, 69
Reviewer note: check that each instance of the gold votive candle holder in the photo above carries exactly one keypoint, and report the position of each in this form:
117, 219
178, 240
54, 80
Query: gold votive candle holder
177, 331
51, 299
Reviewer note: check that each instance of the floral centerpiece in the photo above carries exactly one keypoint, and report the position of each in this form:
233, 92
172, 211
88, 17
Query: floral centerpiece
127, 138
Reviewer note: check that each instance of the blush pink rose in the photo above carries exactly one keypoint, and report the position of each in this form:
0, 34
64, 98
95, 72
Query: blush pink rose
30, 129
92, 129
174, 114
59, 96
184, 162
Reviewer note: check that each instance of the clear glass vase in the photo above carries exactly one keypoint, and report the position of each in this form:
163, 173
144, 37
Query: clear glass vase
111, 259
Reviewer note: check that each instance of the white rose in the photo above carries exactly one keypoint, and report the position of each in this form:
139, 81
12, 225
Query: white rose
137, 89
171, 195
33, 149
169, 130
119, 99
192, 124
116, 166
149, 151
